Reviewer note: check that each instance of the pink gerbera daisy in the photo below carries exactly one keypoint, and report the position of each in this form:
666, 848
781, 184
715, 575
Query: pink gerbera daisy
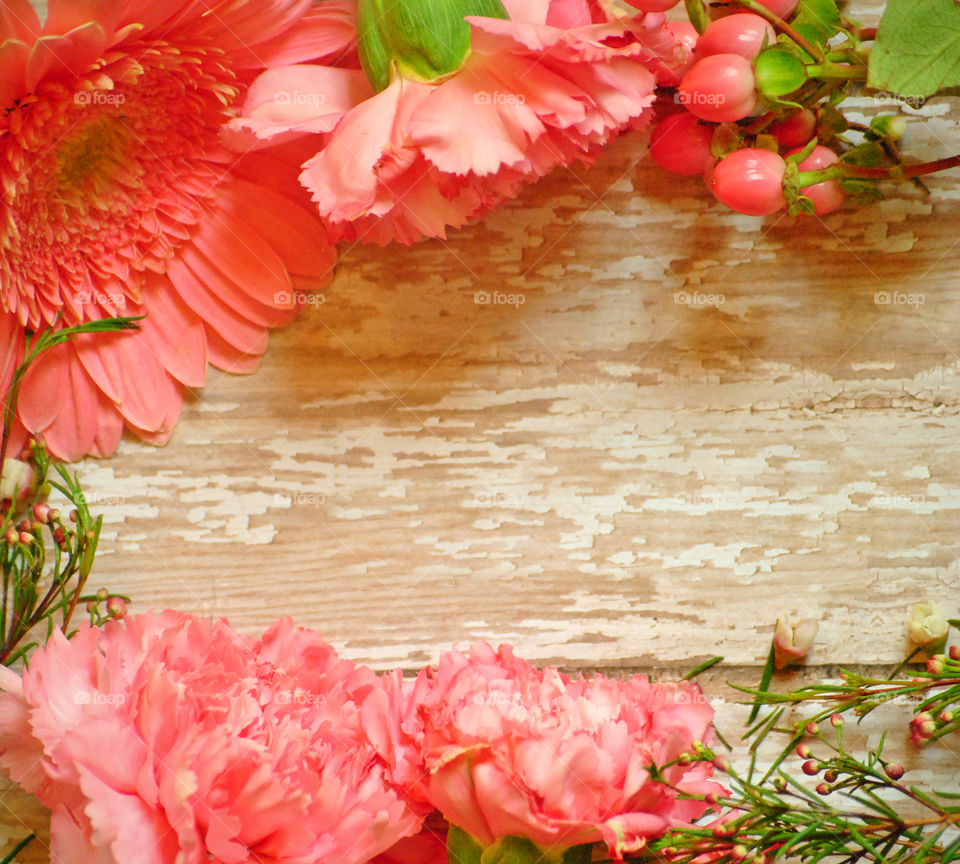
456, 106
117, 198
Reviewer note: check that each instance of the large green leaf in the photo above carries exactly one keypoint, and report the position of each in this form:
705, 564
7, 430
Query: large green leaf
917, 50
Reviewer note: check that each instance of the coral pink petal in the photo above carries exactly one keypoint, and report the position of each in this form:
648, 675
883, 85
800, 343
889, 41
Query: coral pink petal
109, 428
131, 376
69, 843
287, 228
341, 177
13, 63
174, 333
326, 33
72, 434
64, 15
567, 14
44, 389
18, 20
224, 356
301, 98
219, 316
242, 258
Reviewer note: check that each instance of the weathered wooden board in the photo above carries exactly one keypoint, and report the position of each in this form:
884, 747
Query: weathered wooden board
668, 424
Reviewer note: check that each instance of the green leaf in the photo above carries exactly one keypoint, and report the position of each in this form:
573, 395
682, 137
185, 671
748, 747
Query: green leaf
693, 673
817, 20
17, 849
462, 848
765, 680
917, 50
779, 71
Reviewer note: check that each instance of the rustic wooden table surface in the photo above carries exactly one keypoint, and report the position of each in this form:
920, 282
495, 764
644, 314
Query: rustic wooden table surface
614, 424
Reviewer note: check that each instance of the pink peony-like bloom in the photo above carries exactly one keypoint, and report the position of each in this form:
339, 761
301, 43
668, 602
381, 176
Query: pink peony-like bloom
166, 738
118, 198
413, 156
507, 749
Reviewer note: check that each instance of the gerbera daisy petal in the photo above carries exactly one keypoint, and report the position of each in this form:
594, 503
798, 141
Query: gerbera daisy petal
18, 20
115, 199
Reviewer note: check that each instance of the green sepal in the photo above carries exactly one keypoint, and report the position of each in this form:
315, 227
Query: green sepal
869, 154
726, 138
425, 40
797, 202
779, 71
697, 13
798, 157
462, 848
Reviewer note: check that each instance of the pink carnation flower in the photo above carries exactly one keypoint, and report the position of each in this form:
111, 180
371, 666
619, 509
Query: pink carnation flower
507, 749
168, 739
548, 86
117, 198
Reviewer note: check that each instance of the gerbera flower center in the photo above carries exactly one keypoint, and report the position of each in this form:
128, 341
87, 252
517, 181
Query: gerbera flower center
102, 178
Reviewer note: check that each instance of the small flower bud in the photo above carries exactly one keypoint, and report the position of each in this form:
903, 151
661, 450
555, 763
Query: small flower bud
102, 594
53, 515
719, 831
935, 664
824, 788
91, 607
780, 784
721, 763
738, 852
26, 538
830, 776
803, 751
41, 512
812, 728
945, 716
685, 758
811, 768
24, 525
17, 477
894, 770
116, 608
836, 720
12, 536
792, 642
955, 652
927, 626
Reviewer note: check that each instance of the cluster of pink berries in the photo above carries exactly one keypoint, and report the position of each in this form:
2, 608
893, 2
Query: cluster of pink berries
726, 135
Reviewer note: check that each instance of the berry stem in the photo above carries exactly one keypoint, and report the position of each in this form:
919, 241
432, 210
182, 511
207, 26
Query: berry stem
880, 172
813, 50
845, 72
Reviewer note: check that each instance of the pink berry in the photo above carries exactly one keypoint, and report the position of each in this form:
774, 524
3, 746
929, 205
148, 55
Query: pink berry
828, 195
781, 8
681, 144
795, 130
750, 181
743, 34
719, 88
653, 5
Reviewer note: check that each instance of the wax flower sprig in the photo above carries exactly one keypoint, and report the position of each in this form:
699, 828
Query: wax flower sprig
932, 691
853, 813
46, 556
